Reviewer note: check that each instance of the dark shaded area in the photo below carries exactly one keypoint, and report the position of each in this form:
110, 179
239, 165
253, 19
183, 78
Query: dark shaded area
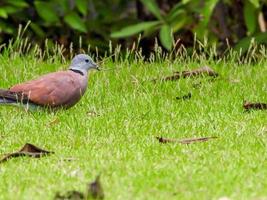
91, 22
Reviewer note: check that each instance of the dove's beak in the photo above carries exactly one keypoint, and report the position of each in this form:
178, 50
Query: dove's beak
95, 66
98, 68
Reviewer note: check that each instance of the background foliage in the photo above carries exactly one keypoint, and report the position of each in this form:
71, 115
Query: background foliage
173, 22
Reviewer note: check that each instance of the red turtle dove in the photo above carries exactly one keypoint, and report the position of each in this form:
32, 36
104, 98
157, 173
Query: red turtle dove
61, 89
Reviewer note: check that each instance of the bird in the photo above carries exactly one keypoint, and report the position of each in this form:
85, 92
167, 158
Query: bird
62, 89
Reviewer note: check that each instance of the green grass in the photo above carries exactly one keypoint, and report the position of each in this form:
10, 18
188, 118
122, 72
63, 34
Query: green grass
120, 143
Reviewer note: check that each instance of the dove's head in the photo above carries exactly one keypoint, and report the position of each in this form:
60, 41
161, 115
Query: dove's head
83, 63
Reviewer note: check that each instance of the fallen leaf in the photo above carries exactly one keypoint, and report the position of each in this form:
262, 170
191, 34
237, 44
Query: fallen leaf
185, 141
27, 150
95, 190
202, 71
255, 106
185, 97
70, 195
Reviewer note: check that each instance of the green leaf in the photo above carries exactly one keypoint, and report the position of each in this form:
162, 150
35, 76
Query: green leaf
74, 21
185, 1
62, 7
201, 29
152, 6
46, 11
250, 16
37, 29
17, 3
82, 6
10, 9
256, 3
178, 24
3, 13
150, 31
134, 29
207, 10
175, 11
245, 42
165, 36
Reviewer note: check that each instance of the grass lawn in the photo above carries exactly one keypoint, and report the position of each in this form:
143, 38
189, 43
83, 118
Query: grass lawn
112, 131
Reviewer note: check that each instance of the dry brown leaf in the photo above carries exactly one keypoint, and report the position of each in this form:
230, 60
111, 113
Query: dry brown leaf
202, 71
185, 141
27, 150
254, 106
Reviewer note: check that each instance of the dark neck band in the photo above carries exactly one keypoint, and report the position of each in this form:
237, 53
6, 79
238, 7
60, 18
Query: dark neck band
77, 71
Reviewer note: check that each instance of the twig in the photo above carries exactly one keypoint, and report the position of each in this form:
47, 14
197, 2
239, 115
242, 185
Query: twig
185, 141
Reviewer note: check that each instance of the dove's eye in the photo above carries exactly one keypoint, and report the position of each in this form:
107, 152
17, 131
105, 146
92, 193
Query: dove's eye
87, 60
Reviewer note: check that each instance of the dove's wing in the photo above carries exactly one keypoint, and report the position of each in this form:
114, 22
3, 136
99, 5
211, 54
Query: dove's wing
56, 89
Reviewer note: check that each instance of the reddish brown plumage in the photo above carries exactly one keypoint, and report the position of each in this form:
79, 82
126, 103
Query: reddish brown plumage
58, 89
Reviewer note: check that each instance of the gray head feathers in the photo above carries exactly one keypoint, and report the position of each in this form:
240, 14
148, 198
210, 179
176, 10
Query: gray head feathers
83, 62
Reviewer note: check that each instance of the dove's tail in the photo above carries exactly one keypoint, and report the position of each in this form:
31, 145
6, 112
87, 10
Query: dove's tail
6, 101
8, 97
